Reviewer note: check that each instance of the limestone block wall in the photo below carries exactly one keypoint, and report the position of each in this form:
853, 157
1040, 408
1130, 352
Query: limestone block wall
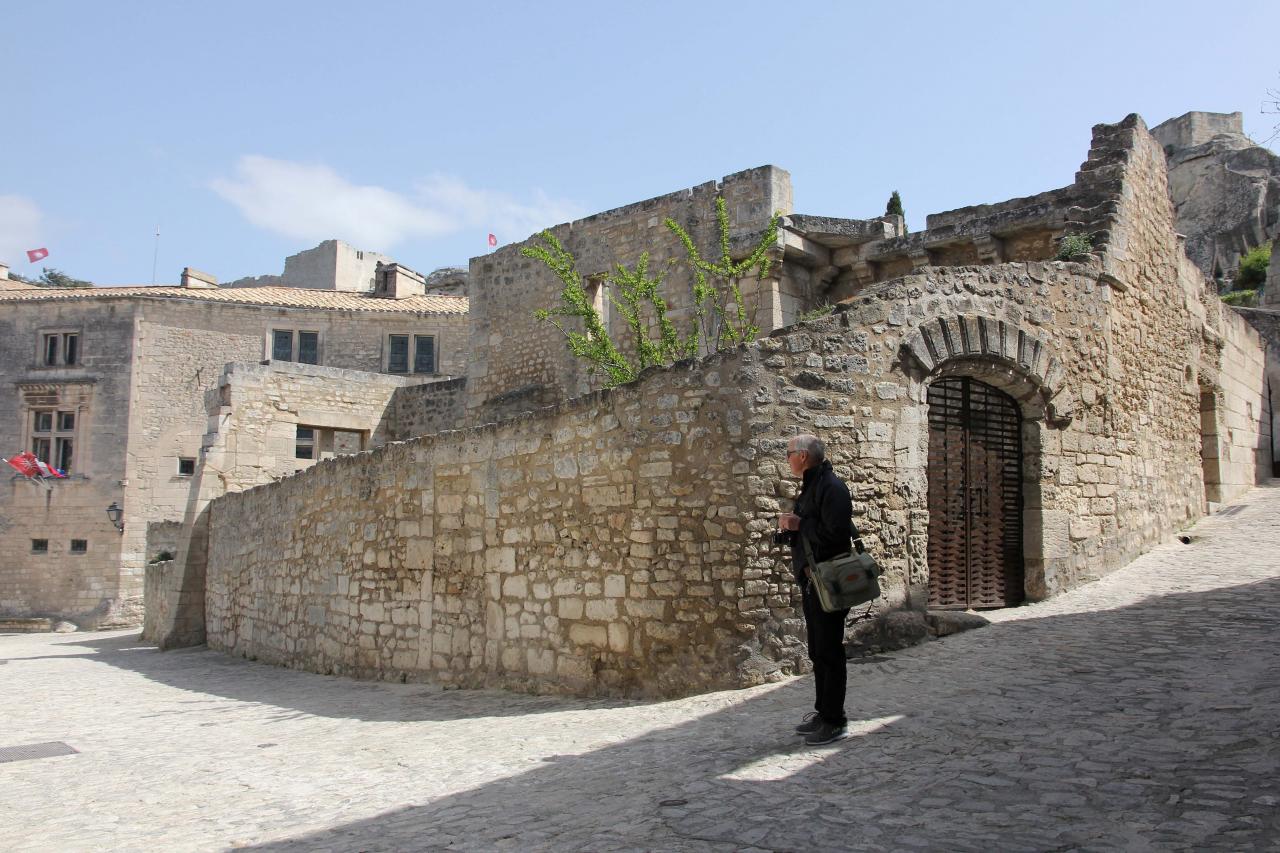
252, 436
620, 542
1236, 415
159, 581
599, 547
182, 349
85, 588
519, 363
426, 409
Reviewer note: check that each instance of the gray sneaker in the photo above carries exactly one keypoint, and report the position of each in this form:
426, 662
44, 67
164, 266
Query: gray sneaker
826, 733
810, 724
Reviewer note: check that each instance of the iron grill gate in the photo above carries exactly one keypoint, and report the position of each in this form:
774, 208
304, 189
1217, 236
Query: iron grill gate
975, 496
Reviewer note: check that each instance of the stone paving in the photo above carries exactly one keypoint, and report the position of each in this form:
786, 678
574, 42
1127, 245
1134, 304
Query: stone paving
1138, 712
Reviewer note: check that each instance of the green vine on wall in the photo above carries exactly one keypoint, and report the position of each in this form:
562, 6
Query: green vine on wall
720, 318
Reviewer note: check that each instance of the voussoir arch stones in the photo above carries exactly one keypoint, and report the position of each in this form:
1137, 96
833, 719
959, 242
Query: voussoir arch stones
1014, 357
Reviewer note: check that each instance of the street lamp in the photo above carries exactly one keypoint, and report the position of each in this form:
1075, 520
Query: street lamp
116, 514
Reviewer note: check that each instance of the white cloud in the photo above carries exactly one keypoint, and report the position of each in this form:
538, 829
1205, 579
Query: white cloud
312, 202
493, 211
20, 229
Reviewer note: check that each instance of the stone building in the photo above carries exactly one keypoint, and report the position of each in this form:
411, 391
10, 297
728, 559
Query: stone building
135, 391
1011, 424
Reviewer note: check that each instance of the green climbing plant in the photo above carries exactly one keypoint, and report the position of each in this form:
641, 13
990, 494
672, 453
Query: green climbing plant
716, 283
719, 313
593, 344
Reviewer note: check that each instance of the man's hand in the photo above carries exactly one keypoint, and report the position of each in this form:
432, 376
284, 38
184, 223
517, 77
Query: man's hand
788, 521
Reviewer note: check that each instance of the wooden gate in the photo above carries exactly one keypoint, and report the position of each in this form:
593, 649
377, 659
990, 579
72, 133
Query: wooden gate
975, 496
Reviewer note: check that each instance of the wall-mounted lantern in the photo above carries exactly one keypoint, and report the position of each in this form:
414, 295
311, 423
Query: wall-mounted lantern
116, 514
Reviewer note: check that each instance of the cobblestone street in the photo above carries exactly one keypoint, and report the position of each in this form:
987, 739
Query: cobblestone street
1138, 712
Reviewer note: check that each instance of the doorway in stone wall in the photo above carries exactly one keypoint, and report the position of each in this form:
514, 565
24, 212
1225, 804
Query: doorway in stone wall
975, 496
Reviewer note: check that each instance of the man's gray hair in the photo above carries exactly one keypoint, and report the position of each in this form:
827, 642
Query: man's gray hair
813, 446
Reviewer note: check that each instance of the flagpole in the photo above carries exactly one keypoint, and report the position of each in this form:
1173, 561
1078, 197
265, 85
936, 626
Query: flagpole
155, 257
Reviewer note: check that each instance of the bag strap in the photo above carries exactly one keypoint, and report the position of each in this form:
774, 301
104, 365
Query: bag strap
808, 553
856, 540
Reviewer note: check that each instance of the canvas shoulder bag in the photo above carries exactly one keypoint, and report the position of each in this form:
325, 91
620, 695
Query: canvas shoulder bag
846, 579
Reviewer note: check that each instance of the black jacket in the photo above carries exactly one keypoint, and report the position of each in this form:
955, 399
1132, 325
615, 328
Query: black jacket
826, 518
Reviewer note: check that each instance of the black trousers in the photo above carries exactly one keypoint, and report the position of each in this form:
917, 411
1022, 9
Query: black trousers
826, 650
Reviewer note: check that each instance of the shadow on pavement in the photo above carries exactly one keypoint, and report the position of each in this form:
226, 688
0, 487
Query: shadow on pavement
1148, 725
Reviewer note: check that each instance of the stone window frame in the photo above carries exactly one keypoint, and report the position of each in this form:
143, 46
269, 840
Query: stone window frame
78, 546
40, 547
59, 337
412, 343
295, 344
321, 442
192, 466
55, 445
71, 397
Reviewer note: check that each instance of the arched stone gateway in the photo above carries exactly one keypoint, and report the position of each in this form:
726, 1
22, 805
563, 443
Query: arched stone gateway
975, 496
993, 388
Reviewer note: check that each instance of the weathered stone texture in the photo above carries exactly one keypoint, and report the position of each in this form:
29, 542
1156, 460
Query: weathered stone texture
146, 367
619, 542
597, 548
1226, 188
426, 409
85, 588
519, 363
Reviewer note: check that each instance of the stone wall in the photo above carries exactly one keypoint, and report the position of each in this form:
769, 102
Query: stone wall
156, 601
519, 363
426, 409
600, 547
253, 425
619, 542
1236, 415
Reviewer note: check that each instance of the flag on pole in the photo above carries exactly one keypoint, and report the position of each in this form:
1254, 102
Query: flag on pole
34, 255
493, 241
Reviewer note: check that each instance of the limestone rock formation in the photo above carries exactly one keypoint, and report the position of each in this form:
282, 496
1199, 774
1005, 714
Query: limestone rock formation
448, 281
1271, 290
1225, 188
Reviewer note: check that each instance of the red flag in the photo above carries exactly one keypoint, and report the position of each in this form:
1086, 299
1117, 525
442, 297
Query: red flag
493, 241
25, 463
34, 255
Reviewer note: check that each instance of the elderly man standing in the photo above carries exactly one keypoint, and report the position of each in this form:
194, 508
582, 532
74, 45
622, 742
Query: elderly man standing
823, 515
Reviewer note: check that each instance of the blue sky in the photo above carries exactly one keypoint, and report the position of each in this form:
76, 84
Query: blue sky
250, 131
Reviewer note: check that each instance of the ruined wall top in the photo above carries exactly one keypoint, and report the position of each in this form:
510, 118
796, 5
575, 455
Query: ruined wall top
332, 265
1196, 128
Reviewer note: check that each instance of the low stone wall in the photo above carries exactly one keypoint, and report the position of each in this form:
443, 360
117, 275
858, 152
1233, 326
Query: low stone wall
1237, 448
158, 585
603, 547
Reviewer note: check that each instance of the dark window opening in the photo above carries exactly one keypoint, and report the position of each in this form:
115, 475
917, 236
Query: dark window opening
50, 349
66, 421
305, 444
398, 354
39, 546
309, 347
70, 349
44, 421
186, 466
40, 447
79, 546
282, 346
62, 450
424, 354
